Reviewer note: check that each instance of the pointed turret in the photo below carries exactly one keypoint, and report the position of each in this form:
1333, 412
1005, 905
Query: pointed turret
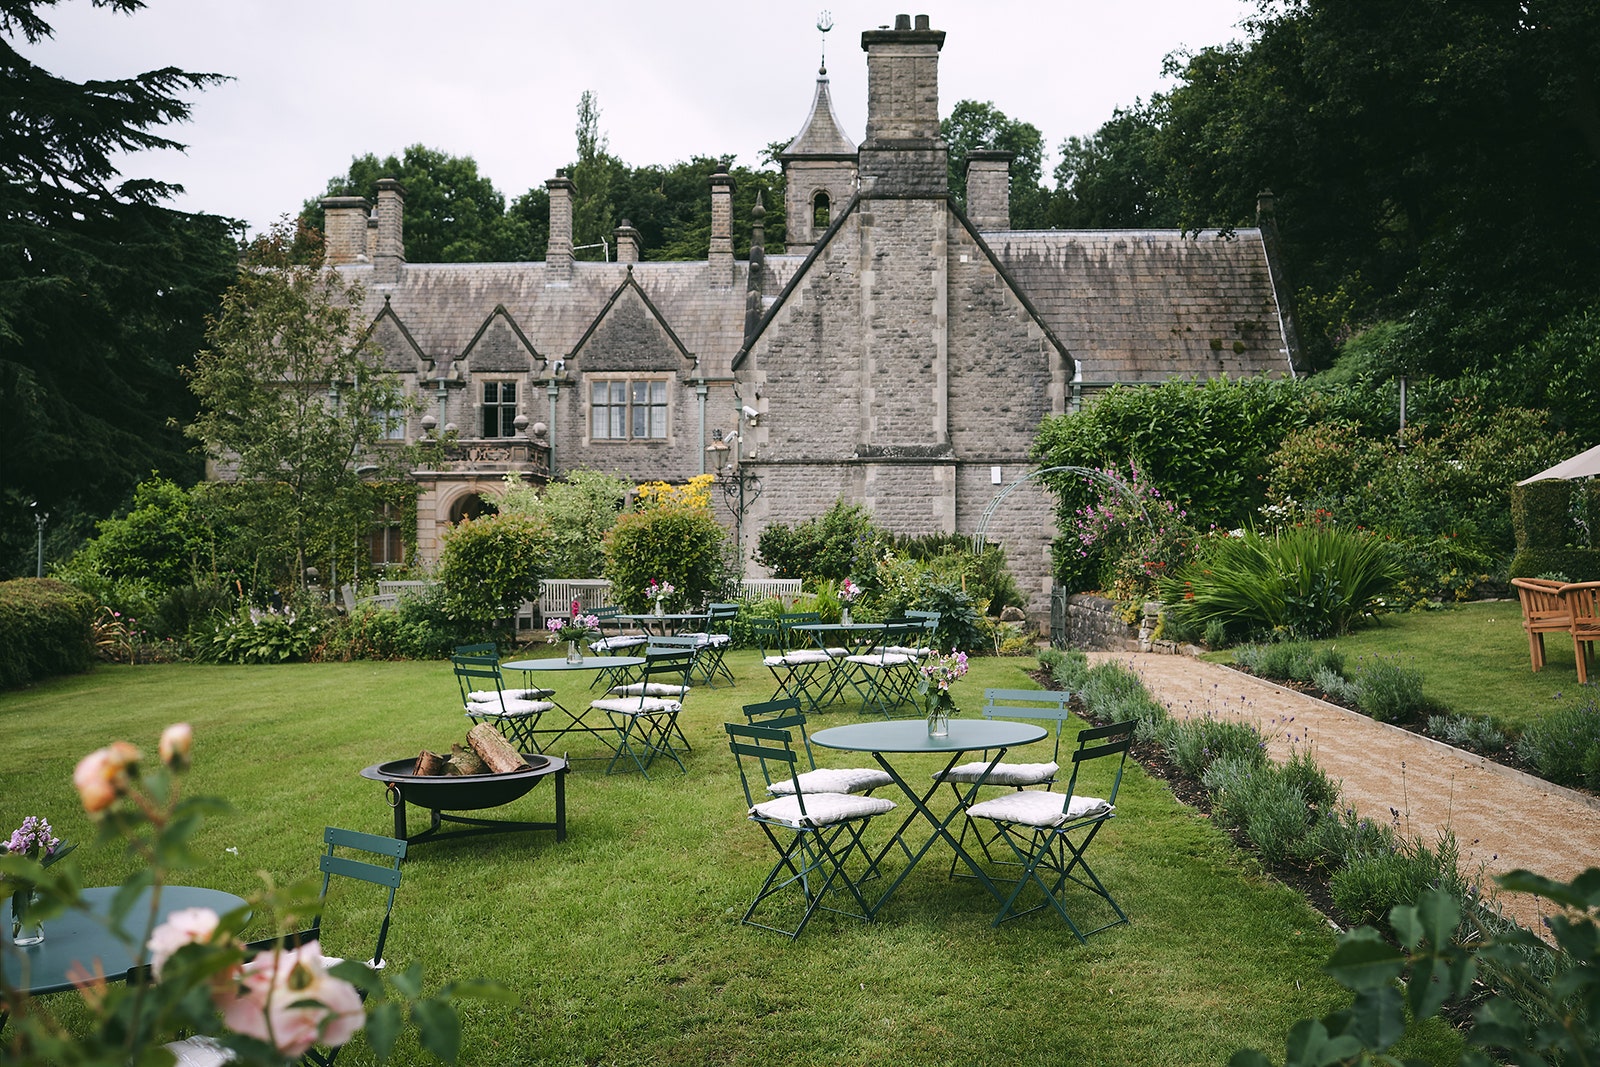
819, 166
754, 289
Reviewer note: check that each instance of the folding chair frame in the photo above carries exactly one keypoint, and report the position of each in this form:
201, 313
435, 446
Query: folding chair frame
1059, 851
520, 728
810, 860
645, 732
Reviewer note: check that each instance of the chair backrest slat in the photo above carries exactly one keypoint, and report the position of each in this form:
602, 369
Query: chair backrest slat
765, 744
388, 875
1103, 741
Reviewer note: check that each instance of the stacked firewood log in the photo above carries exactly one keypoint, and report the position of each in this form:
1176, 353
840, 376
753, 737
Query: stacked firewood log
486, 752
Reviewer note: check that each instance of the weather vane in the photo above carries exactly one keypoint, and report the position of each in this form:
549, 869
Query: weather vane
824, 24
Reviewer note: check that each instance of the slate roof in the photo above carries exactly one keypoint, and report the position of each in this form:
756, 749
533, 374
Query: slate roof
1147, 305
443, 307
821, 135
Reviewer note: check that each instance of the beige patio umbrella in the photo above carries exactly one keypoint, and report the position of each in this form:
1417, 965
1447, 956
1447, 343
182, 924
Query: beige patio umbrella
1583, 465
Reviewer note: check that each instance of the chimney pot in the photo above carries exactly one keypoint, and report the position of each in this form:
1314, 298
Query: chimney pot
902, 22
922, 22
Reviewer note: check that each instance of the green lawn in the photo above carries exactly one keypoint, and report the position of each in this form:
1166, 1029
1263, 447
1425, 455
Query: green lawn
623, 945
1473, 659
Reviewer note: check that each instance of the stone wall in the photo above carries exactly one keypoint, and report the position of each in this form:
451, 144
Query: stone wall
1095, 623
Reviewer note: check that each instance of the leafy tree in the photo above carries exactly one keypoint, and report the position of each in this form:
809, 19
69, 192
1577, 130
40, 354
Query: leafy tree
843, 542
1113, 178
490, 565
103, 291
292, 398
670, 542
972, 125
452, 213
576, 511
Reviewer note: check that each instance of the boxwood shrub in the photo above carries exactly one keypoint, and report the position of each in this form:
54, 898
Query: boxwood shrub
44, 630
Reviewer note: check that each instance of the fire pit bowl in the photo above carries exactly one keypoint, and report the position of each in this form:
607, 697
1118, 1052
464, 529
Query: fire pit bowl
469, 792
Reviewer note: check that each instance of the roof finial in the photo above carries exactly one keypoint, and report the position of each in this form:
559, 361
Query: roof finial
824, 24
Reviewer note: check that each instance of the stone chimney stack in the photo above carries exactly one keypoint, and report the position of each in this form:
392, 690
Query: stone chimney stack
558, 251
344, 228
627, 240
720, 266
989, 189
391, 251
903, 151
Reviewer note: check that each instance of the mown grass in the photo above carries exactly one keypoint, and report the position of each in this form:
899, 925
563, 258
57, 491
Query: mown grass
623, 944
1473, 659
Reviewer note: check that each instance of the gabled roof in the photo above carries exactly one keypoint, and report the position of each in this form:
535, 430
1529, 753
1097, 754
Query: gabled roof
395, 360
502, 360
821, 136
629, 283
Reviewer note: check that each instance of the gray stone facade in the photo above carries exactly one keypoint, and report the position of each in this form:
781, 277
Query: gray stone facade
900, 354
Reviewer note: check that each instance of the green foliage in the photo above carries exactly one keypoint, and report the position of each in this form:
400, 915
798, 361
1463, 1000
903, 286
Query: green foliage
984, 575
1195, 744
264, 636
1388, 691
1563, 745
1533, 562
840, 543
1297, 661
1124, 540
577, 511
1305, 581
1472, 732
1370, 884
419, 628
1113, 693
971, 125
1068, 668
44, 630
1541, 515
1558, 371
288, 349
1275, 806
105, 290
159, 541
1204, 446
490, 565
905, 584
670, 543
452, 213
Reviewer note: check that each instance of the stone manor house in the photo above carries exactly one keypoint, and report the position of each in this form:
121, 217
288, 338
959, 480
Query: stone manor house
897, 352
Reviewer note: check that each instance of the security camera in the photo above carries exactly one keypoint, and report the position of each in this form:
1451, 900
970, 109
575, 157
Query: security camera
558, 367
751, 413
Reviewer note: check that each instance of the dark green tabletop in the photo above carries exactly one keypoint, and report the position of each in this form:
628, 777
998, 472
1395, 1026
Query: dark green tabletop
911, 735
83, 936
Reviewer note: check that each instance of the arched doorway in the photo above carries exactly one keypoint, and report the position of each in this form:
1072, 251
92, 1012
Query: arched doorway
471, 506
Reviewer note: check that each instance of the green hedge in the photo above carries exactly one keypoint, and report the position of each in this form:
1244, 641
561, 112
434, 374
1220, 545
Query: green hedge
44, 630
1541, 515
1578, 564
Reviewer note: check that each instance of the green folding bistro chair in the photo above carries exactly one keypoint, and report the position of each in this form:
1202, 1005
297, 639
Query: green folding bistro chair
645, 724
1049, 833
885, 678
714, 642
813, 833
380, 866
794, 670
1051, 705
613, 642
485, 698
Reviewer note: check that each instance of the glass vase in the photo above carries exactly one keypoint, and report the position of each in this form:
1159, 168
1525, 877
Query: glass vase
574, 652
938, 719
844, 616
660, 611
25, 929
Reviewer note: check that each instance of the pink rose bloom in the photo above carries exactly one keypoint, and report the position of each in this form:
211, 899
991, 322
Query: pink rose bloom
102, 775
176, 742
273, 1006
187, 927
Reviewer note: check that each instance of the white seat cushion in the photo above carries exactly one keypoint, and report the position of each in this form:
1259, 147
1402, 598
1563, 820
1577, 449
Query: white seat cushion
1044, 810
833, 780
650, 689
199, 1051
512, 709
636, 705
822, 809
612, 644
806, 656
489, 696
888, 659
1003, 773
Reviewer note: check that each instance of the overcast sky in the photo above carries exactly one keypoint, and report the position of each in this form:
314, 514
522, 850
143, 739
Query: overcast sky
317, 83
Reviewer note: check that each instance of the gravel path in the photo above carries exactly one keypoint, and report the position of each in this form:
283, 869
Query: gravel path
1502, 818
